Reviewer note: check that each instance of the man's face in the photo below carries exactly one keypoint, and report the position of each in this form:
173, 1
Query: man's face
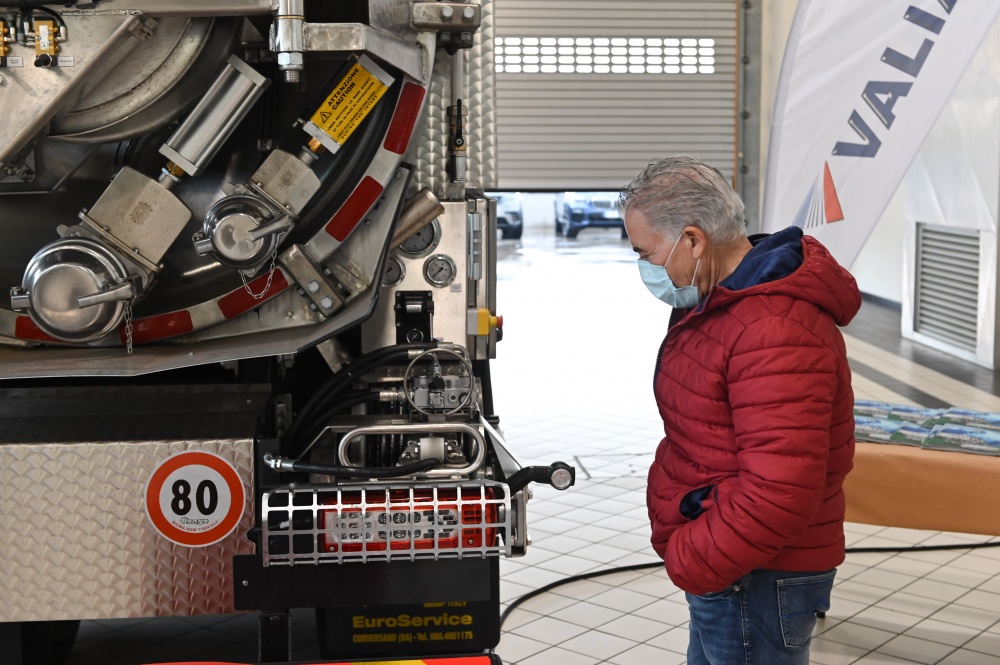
652, 247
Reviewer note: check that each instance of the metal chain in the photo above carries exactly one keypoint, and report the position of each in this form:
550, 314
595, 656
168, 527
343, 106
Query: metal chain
270, 276
128, 326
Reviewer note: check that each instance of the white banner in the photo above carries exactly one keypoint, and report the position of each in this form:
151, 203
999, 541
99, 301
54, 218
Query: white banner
861, 85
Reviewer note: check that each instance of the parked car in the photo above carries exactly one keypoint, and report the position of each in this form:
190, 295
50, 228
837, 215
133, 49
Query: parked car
580, 210
510, 214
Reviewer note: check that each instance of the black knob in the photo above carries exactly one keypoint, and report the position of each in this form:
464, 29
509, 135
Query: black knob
44, 60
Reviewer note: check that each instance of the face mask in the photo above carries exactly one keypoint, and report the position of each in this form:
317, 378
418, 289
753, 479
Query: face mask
660, 285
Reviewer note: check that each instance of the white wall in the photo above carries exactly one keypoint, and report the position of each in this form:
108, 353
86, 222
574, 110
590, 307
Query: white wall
879, 268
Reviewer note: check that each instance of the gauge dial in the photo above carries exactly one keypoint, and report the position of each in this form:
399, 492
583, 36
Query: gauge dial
394, 272
440, 270
423, 241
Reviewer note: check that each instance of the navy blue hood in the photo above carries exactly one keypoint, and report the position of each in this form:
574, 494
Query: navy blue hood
773, 257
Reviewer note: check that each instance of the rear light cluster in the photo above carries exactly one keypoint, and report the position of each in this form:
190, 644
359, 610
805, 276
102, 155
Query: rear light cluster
385, 523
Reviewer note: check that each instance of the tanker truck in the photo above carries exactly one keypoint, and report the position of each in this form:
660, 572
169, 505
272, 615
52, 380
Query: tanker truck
245, 357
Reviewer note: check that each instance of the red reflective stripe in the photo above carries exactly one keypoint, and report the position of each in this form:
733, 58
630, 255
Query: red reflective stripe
403, 122
25, 328
357, 204
160, 326
238, 302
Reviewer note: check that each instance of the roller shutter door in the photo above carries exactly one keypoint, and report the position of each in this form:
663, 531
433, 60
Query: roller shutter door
947, 285
589, 91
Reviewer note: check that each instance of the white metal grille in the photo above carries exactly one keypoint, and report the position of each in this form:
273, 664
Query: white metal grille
604, 55
589, 91
385, 523
947, 285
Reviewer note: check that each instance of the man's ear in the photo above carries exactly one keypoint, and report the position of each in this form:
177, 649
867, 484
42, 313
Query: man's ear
697, 240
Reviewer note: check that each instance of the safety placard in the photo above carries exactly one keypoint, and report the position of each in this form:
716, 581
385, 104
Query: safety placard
349, 104
195, 498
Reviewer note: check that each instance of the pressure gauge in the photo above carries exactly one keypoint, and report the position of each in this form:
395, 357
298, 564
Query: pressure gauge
423, 241
394, 272
440, 270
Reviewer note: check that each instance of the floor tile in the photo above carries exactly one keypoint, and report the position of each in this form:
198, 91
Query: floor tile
546, 603
876, 658
632, 627
986, 642
984, 600
963, 615
965, 657
951, 574
945, 633
667, 611
827, 652
937, 590
513, 647
857, 635
599, 645
549, 630
623, 600
884, 619
920, 606
647, 654
917, 650
883, 578
587, 615
561, 656
675, 640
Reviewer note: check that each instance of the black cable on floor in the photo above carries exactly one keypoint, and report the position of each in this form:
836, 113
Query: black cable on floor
643, 566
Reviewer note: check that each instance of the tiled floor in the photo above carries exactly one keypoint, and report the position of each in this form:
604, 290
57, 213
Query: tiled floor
573, 383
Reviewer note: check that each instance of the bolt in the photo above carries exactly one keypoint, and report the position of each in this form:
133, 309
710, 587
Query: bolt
3, 81
290, 314
468, 14
313, 286
447, 12
246, 582
327, 303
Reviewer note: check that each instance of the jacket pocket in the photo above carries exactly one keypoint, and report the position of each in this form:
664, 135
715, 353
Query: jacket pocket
799, 599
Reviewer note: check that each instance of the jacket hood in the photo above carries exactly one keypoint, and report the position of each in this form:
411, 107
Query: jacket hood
789, 263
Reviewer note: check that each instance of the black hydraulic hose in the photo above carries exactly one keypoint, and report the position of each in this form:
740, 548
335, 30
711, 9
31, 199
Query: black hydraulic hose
29, 4
329, 391
517, 602
54, 14
355, 472
346, 401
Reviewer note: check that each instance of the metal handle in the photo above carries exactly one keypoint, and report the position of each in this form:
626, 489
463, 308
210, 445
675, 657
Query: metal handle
121, 292
280, 226
441, 472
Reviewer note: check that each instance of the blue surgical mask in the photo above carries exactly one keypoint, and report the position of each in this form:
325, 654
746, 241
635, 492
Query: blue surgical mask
660, 285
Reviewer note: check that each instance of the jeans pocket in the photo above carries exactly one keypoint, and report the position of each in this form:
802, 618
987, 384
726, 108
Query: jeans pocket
799, 599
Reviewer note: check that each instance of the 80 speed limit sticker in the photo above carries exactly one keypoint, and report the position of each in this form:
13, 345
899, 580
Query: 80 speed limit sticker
195, 498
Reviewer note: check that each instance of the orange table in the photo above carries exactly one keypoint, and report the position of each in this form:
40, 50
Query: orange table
904, 486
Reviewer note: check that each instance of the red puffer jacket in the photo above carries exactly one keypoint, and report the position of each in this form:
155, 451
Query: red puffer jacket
755, 394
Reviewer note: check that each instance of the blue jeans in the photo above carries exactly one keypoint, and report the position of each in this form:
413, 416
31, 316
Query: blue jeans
765, 618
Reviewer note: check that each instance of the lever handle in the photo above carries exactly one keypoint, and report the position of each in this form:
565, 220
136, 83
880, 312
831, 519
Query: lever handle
121, 292
280, 226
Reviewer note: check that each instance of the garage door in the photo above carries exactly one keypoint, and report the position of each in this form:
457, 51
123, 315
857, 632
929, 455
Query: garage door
589, 91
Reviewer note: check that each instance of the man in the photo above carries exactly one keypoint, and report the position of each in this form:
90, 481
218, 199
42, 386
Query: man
752, 382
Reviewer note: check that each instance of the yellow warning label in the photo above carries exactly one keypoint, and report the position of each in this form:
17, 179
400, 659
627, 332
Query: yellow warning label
351, 101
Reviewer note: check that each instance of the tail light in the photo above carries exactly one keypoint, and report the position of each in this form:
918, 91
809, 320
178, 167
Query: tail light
387, 523
422, 519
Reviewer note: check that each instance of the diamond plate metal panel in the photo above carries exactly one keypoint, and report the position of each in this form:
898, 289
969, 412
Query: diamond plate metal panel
429, 151
77, 543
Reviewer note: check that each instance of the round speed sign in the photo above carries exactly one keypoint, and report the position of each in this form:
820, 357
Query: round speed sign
195, 498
